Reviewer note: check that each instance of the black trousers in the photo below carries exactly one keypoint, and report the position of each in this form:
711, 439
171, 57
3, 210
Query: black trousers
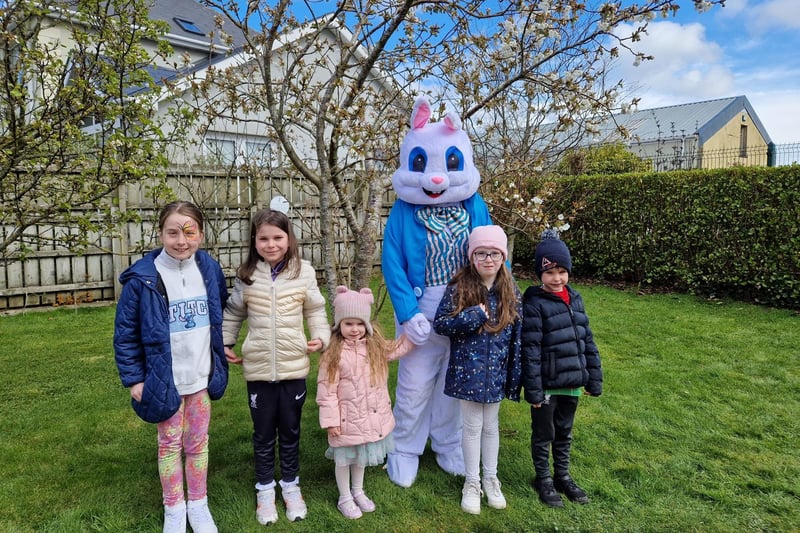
551, 426
275, 407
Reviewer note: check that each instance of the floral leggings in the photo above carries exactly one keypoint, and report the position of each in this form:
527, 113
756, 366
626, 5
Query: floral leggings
186, 431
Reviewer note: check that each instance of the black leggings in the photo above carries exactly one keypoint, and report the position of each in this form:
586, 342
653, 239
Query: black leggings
275, 407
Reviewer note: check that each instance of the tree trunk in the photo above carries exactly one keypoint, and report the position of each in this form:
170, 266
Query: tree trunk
367, 238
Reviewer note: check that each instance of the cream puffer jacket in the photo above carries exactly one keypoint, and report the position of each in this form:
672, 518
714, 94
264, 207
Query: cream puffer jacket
275, 346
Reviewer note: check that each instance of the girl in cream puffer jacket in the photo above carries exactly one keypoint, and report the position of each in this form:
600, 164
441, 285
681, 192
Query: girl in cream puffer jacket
276, 292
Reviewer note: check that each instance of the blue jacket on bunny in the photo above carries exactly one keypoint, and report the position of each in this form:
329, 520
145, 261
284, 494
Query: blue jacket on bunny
403, 261
142, 337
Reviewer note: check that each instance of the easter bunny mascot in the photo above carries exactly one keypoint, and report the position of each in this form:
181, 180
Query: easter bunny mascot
425, 244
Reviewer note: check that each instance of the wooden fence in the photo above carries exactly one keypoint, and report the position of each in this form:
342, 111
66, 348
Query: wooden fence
55, 277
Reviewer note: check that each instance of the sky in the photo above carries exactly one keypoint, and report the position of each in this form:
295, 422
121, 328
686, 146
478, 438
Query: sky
745, 48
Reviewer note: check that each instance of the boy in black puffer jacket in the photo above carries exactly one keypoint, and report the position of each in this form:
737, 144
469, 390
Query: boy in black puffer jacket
559, 358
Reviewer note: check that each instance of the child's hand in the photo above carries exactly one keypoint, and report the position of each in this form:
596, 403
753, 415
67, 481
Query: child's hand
136, 391
230, 355
334, 432
314, 345
536, 405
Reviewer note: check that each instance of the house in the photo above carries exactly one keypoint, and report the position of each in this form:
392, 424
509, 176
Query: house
712, 134
51, 274
234, 137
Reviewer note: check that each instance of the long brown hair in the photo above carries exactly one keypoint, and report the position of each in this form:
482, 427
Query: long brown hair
377, 349
471, 291
292, 258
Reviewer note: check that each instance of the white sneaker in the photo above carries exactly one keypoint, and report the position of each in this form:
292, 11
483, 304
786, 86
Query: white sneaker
295, 505
266, 513
471, 497
491, 487
175, 518
200, 517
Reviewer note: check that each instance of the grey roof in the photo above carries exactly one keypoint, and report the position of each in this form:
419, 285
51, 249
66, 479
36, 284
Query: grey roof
195, 12
702, 119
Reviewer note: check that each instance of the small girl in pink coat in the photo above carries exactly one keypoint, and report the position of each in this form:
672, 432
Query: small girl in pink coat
353, 396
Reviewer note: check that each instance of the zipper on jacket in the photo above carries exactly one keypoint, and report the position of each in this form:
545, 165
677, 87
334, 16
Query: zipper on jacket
571, 319
274, 334
574, 330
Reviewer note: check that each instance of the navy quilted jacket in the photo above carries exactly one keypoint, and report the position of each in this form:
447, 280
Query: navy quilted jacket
484, 367
142, 340
558, 350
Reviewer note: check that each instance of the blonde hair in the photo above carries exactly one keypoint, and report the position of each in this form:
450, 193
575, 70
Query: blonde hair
378, 348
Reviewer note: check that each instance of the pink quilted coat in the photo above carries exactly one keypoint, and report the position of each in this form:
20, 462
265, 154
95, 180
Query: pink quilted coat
363, 410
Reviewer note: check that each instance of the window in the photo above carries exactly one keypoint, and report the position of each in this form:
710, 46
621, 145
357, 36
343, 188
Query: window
220, 151
257, 153
743, 141
85, 73
188, 25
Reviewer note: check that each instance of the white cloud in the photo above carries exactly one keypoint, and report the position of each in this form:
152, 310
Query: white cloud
744, 48
687, 66
779, 112
774, 14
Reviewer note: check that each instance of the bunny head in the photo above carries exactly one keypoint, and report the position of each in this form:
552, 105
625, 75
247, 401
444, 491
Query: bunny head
436, 165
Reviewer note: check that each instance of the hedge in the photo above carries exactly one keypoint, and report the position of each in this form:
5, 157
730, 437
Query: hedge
724, 233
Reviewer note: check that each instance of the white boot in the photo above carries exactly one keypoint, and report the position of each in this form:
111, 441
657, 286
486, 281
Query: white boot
471, 497
175, 518
491, 487
200, 517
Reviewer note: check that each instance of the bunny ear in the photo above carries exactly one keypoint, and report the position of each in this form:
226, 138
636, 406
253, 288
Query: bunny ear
452, 120
420, 113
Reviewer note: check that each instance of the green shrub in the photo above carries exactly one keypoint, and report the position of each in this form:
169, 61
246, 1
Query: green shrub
602, 160
726, 233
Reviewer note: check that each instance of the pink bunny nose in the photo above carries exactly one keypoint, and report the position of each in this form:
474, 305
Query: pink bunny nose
437, 180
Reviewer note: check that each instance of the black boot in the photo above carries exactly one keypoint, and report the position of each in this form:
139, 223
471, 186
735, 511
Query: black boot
547, 492
570, 489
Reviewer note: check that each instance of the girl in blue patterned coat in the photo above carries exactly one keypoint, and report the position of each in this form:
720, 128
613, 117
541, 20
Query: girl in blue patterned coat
481, 313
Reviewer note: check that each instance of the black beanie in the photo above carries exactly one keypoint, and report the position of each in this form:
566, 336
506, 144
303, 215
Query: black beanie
551, 252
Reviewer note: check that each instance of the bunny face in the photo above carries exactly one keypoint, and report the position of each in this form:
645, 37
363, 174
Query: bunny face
436, 165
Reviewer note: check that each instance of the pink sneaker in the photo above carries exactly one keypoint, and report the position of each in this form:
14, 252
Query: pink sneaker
349, 509
365, 504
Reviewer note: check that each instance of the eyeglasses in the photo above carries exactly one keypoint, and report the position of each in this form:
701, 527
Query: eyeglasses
483, 256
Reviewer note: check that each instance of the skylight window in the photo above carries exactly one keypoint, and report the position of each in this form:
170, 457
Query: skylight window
188, 25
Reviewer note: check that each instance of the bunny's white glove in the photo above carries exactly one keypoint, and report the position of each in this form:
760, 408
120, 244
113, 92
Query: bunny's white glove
417, 329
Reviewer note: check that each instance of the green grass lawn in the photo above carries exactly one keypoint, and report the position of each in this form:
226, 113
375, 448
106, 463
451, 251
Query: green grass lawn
697, 430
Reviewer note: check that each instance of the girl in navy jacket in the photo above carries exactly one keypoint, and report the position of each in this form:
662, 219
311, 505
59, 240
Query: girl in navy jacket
169, 352
481, 314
